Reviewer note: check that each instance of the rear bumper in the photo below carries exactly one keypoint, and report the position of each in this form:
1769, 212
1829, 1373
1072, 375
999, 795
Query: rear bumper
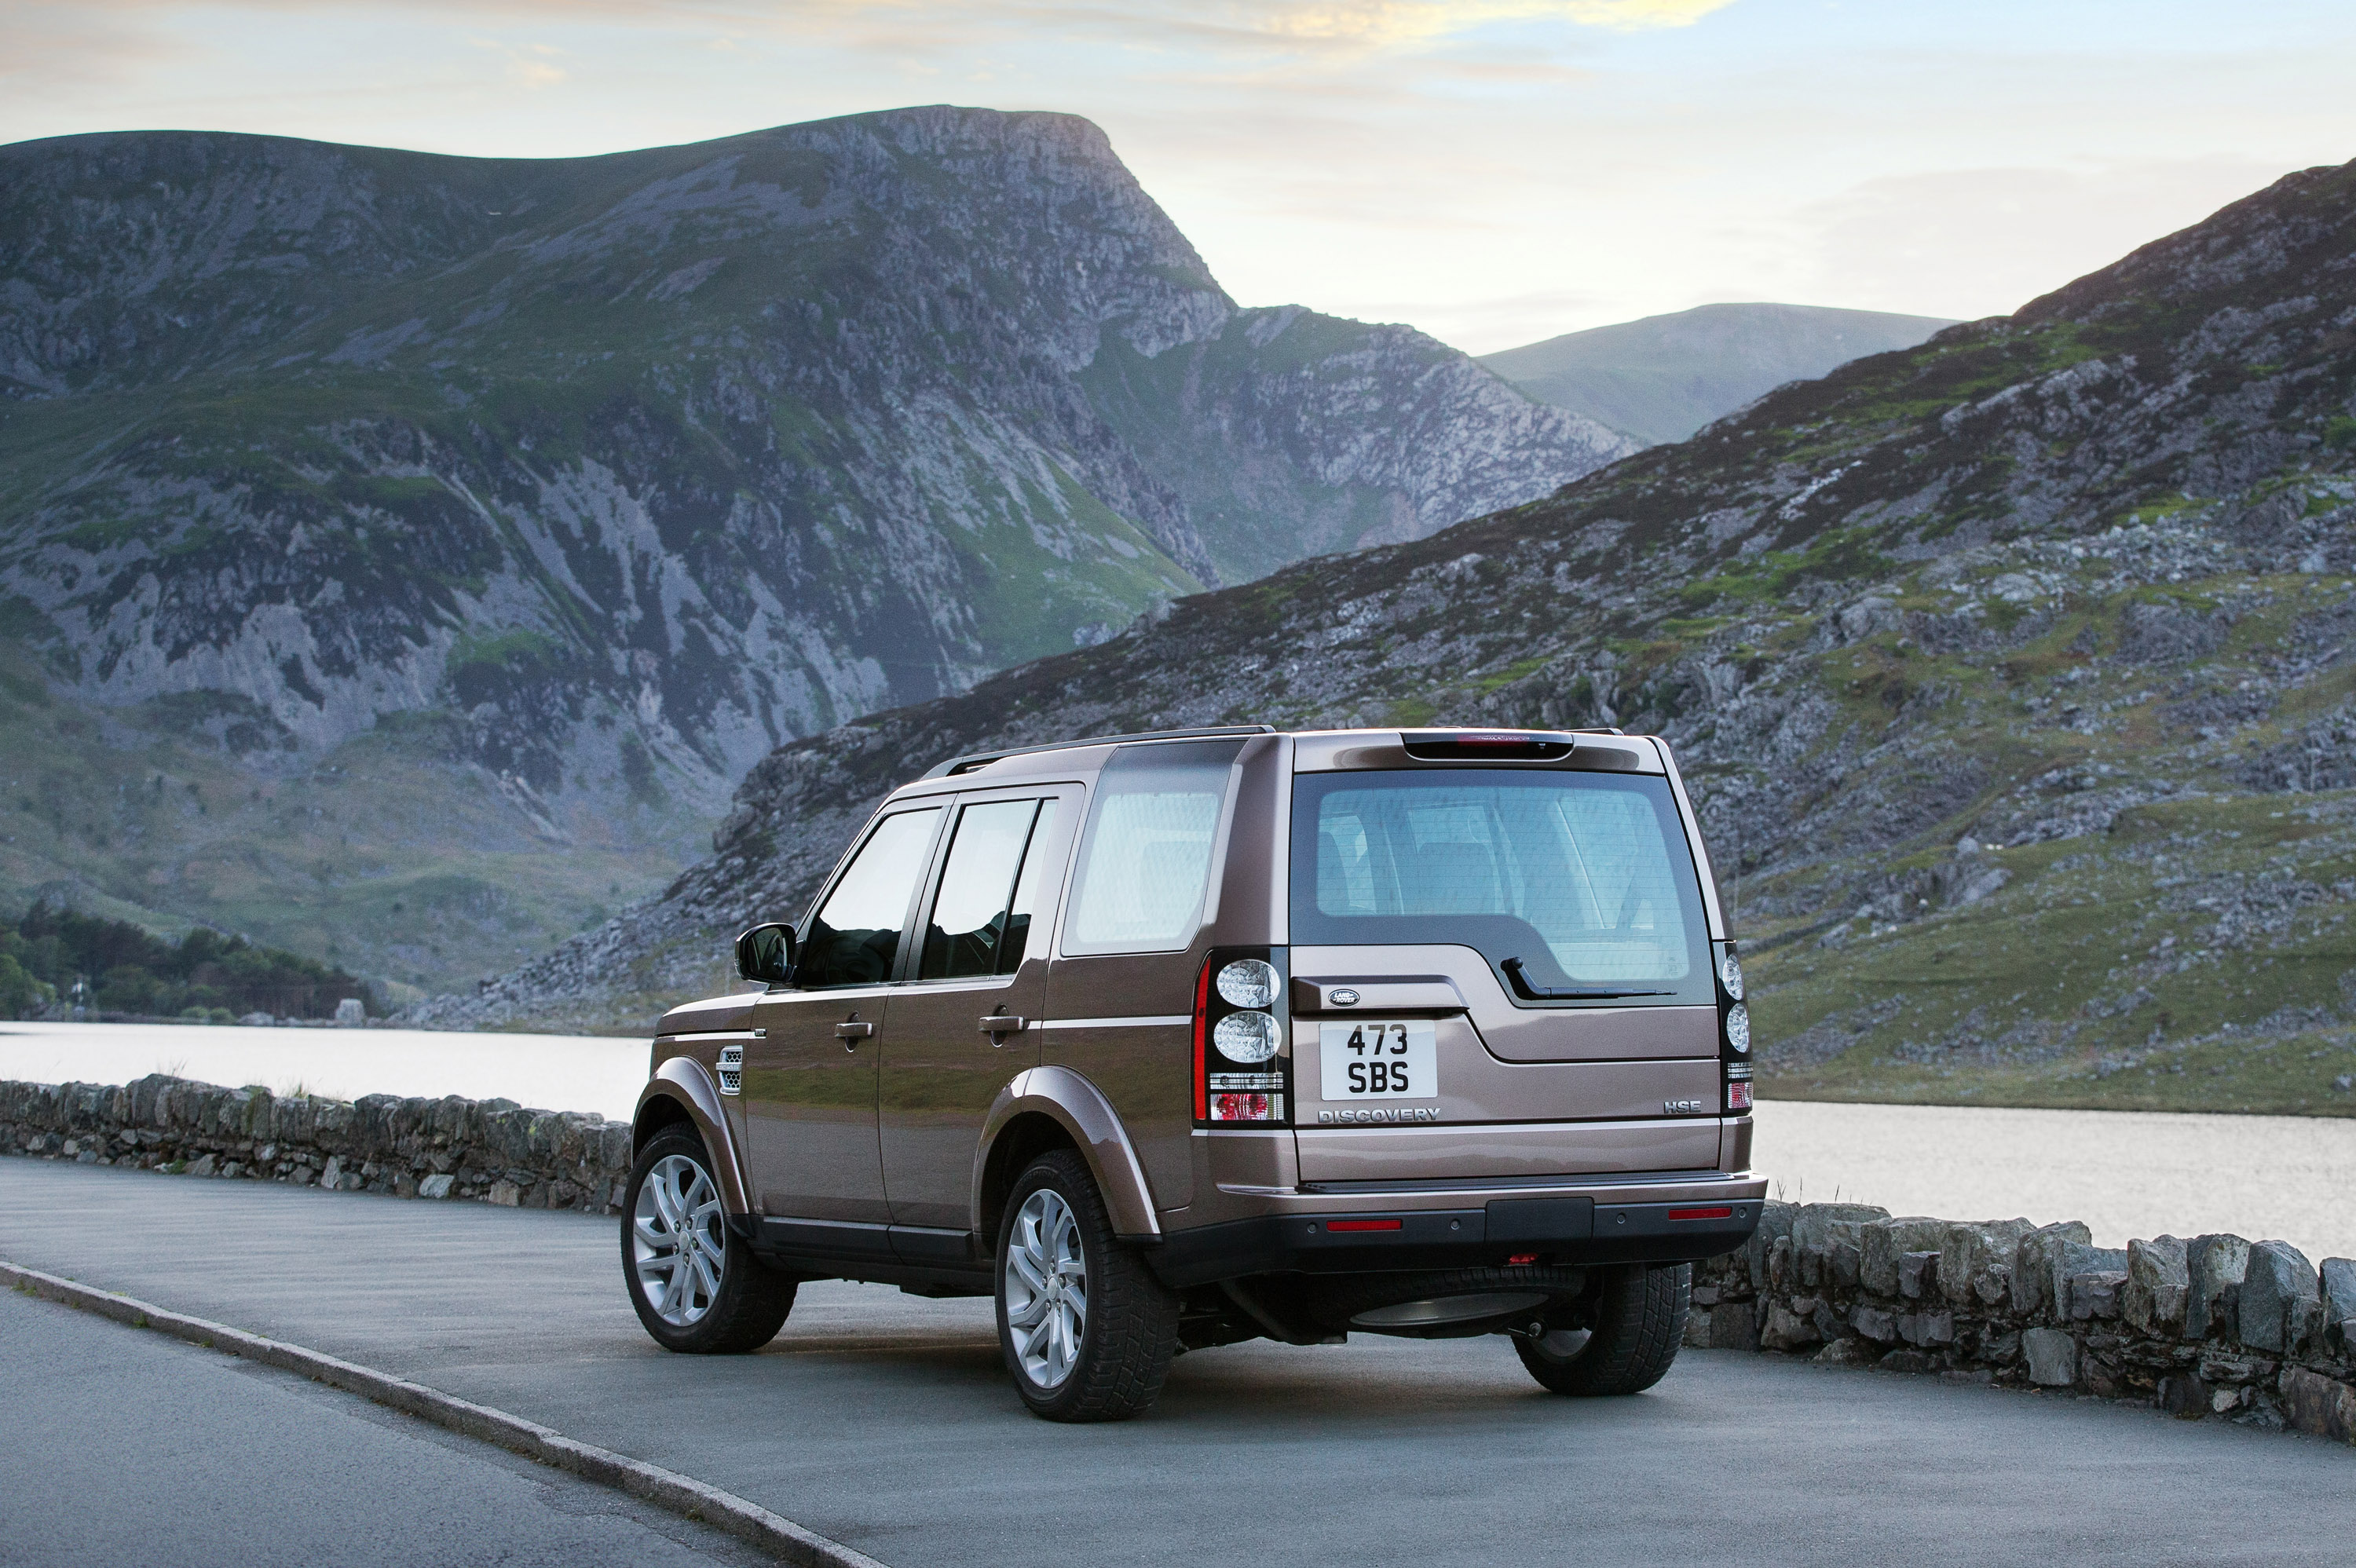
1613, 1225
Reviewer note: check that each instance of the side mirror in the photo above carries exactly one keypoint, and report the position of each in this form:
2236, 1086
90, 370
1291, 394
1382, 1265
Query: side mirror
765, 954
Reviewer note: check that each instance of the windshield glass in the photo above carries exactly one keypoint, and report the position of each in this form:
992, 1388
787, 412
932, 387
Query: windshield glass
1575, 884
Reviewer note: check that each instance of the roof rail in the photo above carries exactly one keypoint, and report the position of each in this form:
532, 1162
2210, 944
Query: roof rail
967, 765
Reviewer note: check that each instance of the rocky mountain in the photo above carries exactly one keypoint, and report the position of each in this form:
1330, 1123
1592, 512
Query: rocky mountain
1661, 377
522, 506
2015, 674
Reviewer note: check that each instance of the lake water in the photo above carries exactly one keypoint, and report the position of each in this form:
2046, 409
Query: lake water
551, 1072
2124, 1173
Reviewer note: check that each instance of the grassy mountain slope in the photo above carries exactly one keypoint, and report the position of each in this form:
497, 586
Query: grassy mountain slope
1661, 377
566, 489
2015, 674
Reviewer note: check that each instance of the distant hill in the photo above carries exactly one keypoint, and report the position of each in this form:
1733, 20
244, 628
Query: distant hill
402, 557
1663, 378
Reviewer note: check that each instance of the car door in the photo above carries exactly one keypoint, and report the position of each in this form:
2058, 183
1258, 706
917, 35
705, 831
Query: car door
967, 1019
810, 1072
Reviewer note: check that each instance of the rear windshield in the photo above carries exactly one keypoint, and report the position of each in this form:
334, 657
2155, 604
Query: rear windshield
1583, 878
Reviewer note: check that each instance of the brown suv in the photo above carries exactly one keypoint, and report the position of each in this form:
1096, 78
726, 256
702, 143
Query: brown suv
1174, 1041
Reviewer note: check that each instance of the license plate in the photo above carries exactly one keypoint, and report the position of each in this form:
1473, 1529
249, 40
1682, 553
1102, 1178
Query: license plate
1379, 1060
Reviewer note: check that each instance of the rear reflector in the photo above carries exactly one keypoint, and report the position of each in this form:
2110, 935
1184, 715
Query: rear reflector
1520, 1260
1722, 1212
1362, 1224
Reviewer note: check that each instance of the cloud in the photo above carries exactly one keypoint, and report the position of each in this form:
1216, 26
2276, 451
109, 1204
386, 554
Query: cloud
1393, 22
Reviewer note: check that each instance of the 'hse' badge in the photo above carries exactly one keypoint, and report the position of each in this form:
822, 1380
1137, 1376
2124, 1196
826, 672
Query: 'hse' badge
1682, 1107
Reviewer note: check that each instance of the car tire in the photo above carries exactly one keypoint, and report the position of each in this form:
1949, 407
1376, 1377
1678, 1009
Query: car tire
1086, 1329
696, 1285
1634, 1326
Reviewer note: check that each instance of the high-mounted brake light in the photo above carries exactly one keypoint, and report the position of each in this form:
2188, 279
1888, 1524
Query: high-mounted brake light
1487, 745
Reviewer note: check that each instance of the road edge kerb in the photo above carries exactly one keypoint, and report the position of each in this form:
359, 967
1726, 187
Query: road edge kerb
666, 1490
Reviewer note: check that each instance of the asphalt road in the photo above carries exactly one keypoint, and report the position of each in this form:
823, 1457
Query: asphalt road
131, 1449
885, 1421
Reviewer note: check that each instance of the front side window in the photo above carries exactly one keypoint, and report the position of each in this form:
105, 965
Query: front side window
981, 916
1145, 860
1584, 878
856, 935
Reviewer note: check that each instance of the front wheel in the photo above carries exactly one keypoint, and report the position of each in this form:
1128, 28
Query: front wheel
1085, 1326
697, 1288
1636, 1323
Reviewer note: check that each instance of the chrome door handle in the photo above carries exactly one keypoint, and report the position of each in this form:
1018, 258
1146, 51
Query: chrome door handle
1001, 1023
853, 1032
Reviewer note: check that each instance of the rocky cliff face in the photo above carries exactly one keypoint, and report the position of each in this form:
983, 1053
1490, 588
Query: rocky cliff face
609, 474
2012, 672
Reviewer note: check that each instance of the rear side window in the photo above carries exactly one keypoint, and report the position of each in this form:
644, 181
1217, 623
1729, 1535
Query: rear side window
856, 936
1145, 860
1584, 878
981, 916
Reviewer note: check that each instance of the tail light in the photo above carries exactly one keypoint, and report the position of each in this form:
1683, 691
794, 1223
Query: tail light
1243, 1062
1734, 1027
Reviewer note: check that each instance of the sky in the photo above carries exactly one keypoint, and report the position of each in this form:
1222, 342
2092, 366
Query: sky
1492, 171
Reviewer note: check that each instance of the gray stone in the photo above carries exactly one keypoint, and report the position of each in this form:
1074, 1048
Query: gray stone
2052, 1357
1918, 1274
2279, 1276
2095, 1294
1884, 1241
2325, 1406
1927, 1328
1849, 1352
2215, 1267
1874, 1323
435, 1186
504, 1193
1971, 1250
1824, 1224
350, 1013
2157, 1287
2339, 1303
2074, 1259
1787, 1329
205, 1166
2034, 1264
1734, 1326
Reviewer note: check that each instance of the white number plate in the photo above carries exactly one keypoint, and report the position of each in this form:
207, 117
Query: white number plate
1379, 1060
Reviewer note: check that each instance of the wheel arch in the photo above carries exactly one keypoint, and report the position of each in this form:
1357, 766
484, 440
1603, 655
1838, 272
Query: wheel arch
681, 1091
1055, 1107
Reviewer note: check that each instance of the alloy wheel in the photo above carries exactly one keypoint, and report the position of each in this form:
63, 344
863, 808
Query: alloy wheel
1046, 1288
678, 1243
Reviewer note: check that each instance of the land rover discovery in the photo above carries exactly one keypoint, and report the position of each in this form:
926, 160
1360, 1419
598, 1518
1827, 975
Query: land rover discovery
1173, 1041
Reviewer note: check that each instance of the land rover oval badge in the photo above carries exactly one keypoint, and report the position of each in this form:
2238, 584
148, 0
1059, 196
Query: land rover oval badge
1343, 997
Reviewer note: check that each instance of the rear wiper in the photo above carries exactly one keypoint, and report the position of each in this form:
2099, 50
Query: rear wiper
1522, 986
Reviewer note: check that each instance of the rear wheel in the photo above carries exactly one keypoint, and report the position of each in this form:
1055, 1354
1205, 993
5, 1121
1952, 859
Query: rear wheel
1634, 1326
1085, 1326
697, 1287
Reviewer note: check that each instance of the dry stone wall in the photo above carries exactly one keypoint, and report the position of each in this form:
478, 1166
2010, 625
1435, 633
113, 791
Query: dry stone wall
494, 1151
2209, 1326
